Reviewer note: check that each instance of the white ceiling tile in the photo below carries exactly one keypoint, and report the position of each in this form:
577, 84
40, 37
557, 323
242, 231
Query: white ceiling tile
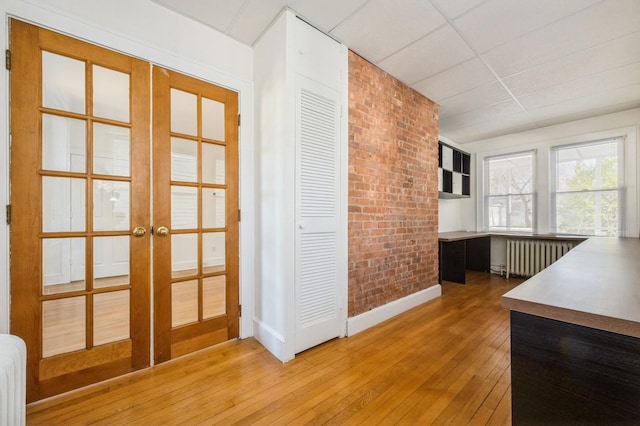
598, 24
602, 103
498, 21
254, 18
438, 51
592, 85
455, 80
454, 8
514, 123
325, 14
215, 13
613, 54
481, 115
479, 97
383, 27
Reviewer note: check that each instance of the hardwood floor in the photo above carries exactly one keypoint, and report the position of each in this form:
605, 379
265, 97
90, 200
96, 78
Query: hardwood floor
444, 362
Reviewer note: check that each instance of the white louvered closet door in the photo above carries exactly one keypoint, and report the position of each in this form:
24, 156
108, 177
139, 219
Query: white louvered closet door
317, 213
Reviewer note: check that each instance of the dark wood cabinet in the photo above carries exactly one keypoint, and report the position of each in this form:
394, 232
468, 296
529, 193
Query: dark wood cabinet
454, 172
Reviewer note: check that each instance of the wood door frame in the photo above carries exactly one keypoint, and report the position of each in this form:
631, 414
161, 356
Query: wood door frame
26, 313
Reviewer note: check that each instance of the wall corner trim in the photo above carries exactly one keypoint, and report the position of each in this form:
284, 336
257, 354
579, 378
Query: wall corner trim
273, 341
382, 313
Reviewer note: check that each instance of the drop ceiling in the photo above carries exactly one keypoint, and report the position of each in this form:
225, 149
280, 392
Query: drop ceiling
495, 67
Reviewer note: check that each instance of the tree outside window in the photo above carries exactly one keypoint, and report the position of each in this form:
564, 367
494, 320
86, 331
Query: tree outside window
587, 183
509, 192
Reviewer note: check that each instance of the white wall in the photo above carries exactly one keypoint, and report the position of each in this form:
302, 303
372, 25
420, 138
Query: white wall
148, 31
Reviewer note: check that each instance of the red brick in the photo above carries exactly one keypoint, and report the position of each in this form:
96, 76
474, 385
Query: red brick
393, 195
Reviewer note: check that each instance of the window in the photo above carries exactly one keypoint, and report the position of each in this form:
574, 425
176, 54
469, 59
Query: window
510, 192
587, 182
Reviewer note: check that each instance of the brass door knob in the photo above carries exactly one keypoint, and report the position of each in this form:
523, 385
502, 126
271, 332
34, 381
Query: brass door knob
162, 231
139, 231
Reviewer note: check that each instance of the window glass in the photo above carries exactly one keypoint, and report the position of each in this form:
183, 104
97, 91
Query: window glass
586, 186
510, 192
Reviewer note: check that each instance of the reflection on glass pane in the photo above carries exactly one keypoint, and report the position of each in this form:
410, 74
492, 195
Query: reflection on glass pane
184, 207
183, 113
588, 213
213, 252
110, 317
588, 167
63, 83
213, 163
110, 94
111, 150
184, 303
63, 144
63, 204
110, 205
184, 255
184, 160
63, 325
511, 212
63, 265
511, 175
213, 208
213, 297
212, 119
110, 261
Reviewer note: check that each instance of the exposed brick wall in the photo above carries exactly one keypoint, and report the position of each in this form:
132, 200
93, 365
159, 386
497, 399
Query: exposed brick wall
393, 188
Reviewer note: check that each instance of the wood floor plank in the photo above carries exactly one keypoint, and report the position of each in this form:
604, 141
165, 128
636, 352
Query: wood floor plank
446, 361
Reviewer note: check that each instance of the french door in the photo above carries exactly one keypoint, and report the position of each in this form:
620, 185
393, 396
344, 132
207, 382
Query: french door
81, 231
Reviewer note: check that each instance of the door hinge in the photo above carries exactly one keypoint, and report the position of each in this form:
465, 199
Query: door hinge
239, 310
8, 214
239, 216
7, 59
239, 120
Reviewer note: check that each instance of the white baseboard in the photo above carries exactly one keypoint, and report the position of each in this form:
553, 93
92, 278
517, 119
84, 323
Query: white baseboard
382, 313
271, 340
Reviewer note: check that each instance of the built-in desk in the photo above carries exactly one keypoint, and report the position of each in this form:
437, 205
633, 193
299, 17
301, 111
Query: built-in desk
460, 251
575, 338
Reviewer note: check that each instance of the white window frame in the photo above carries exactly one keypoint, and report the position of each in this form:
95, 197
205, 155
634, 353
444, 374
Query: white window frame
553, 163
486, 196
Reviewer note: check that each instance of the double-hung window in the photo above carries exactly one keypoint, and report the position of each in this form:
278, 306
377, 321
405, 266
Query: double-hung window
509, 191
587, 188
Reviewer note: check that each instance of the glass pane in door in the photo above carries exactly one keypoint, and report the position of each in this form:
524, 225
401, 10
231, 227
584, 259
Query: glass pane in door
63, 204
184, 255
110, 261
63, 265
110, 317
213, 168
212, 119
64, 146
184, 303
184, 112
110, 94
63, 83
111, 150
111, 205
213, 296
213, 208
63, 325
213, 252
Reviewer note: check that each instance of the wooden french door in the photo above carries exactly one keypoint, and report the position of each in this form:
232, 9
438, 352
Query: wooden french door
195, 257
81, 233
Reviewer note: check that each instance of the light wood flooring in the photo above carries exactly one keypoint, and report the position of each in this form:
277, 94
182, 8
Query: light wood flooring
444, 362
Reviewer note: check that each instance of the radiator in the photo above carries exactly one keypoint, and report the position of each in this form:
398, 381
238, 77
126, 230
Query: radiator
528, 257
13, 365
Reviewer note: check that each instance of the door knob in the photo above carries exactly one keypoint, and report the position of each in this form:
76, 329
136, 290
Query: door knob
162, 231
139, 231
